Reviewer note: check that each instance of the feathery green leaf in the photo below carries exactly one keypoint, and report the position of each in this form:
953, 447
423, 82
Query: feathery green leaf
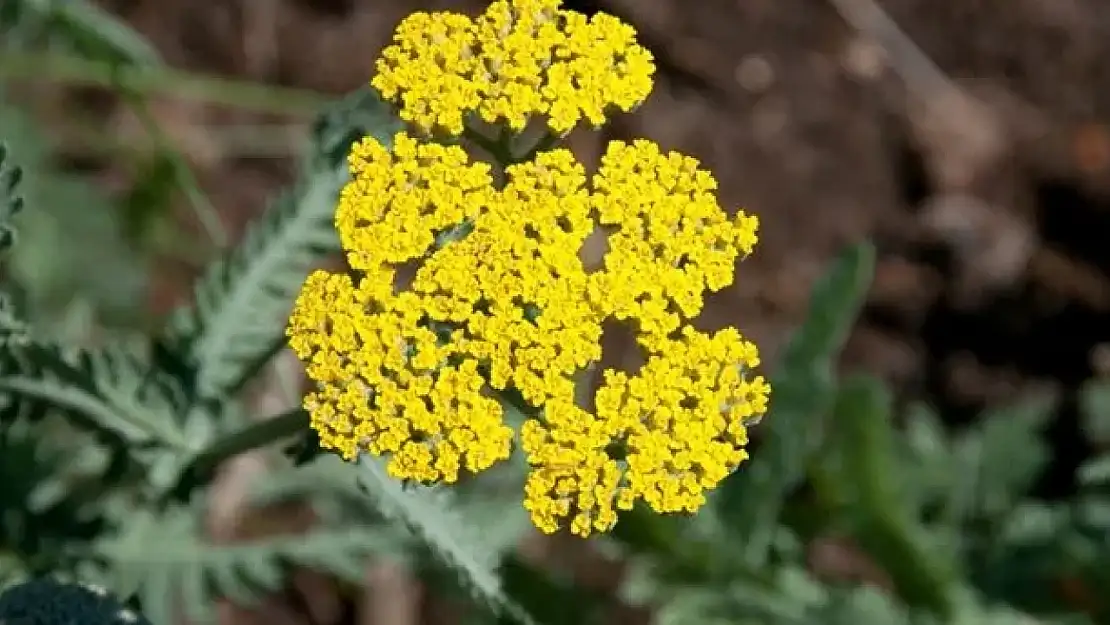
11, 202
236, 322
802, 393
432, 514
165, 561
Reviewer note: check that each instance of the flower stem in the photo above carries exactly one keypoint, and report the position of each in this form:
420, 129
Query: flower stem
147, 80
251, 437
499, 149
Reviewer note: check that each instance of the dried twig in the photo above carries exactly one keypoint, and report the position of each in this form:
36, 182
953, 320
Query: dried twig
920, 74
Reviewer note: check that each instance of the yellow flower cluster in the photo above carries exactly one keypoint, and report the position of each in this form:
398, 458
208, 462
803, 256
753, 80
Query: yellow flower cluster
672, 240
389, 386
519, 59
510, 304
501, 299
665, 435
676, 428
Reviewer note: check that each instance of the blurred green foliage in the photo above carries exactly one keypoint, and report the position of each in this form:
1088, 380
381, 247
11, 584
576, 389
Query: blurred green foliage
73, 253
106, 452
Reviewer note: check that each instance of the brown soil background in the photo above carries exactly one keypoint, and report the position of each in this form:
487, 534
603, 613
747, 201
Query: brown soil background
986, 187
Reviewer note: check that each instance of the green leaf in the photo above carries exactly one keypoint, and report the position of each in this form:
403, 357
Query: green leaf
999, 459
326, 476
928, 467
802, 391
864, 464
784, 595
862, 605
218, 432
51, 270
358, 114
236, 321
433, 516
468, 528
102, 36
11, 202
1094, 410
165, 560
109, 393
1095, 472
46, 506
1033, 522
240, 305
79, 25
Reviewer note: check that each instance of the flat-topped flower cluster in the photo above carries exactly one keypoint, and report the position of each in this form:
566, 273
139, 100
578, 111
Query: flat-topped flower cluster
502, 300
518, 59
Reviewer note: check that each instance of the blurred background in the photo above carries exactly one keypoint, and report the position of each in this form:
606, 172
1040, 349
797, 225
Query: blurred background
968, 139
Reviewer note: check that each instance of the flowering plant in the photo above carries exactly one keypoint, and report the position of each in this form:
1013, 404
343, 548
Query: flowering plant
463, 333
502, 300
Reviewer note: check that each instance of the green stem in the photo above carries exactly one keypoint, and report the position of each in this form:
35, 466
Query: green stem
498, 149
545, 143
251, 437
186, 85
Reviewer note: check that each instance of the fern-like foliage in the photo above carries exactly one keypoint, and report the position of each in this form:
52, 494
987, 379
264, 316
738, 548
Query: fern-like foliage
326, 482
804, 390
163, 560
44, 510
114, 393
432, 514
359, 114
235, 323
338, 490
11, 202
48, 273
943, 522
12, 330
108, 392
467, 530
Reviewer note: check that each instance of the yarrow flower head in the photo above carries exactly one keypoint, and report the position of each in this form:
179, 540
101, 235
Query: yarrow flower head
501, 305
518, 60
506, 302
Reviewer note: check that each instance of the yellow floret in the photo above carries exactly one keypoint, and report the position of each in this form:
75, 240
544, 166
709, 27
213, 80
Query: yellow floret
384, 384
429, 68
683, 416
599, 65
679, 426
571, 476
397, 201
515, 43
672, 240
520, 273
519, 60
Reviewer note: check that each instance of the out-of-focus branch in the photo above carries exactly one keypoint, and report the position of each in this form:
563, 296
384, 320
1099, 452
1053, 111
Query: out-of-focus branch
171, 82
920, 74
